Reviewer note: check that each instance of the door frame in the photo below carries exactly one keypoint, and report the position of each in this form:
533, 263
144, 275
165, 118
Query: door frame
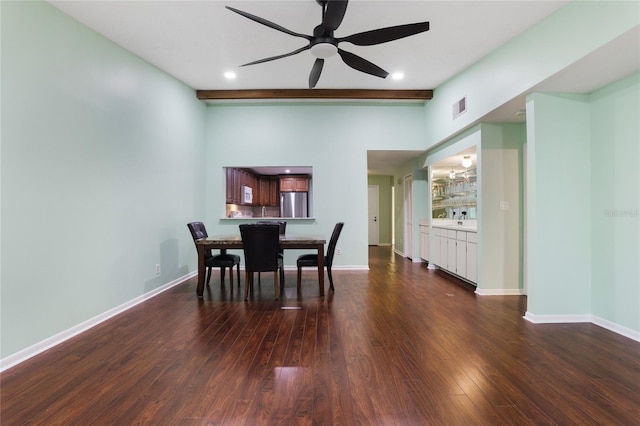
408, 216
375, 213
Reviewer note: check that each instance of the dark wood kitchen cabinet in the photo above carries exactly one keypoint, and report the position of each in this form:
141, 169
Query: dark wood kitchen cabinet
268, 194
236, 179
294, 184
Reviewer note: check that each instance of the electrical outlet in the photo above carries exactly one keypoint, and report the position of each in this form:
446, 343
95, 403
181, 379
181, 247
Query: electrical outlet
158, 269
338, 250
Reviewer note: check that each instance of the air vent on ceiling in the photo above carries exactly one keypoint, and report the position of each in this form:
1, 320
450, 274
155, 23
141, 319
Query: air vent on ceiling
459, 107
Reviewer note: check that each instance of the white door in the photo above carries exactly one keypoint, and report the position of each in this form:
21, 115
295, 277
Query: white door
374, 210
408, 216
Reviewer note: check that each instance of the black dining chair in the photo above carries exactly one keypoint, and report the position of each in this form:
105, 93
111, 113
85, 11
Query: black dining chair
222, 261
261, 245
311, 259
283, 230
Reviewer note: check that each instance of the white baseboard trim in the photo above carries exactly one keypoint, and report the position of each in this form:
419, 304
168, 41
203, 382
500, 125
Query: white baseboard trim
498, 292
33, 350
616, 328
601, 322
399, 253
556, 319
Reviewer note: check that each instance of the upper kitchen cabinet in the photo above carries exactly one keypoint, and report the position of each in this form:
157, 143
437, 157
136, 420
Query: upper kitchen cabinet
294, 183
268, 193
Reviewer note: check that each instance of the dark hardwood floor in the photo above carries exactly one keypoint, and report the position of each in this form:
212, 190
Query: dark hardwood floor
398, 345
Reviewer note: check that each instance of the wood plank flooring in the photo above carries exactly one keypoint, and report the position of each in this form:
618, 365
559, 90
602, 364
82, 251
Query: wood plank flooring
398, 345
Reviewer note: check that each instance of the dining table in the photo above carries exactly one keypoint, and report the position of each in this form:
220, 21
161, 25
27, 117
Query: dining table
234, 242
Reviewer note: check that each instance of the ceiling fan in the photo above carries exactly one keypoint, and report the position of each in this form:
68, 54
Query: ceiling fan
323, 44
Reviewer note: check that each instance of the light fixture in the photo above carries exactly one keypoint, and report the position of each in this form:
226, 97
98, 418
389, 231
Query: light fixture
230, 75
452, 174
324, 50
397, 76
466, 161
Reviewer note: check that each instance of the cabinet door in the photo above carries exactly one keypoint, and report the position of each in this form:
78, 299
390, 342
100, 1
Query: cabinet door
423, 243
263, 193
230, 176
287, 184
451, 255
461, 258
302, 185
472, 262
426, 243
436, 247
274, 196
444, 252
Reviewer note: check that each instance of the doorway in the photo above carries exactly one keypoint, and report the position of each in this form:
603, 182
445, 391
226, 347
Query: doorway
374, 215
408, 216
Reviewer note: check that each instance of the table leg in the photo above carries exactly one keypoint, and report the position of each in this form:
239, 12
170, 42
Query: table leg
321, 268
201, 270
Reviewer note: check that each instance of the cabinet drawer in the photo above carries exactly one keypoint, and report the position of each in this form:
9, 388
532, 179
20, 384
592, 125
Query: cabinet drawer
451, 233
461, 236
472, 237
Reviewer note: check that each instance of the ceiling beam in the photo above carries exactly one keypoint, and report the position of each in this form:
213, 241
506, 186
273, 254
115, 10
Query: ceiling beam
314, 94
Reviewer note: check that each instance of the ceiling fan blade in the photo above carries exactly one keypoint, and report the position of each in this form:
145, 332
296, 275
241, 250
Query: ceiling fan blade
314, 76
273, 58
334, 14
383, 35
361, 64
268, 23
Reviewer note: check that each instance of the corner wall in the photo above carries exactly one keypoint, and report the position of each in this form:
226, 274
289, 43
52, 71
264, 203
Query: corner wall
615, 204
559, 206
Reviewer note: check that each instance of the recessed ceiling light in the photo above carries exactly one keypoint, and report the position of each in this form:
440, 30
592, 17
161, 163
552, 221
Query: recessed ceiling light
397, 76
230, 75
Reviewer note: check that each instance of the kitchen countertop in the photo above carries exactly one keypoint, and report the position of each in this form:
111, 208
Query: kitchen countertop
468, 225
256, 218
468, 228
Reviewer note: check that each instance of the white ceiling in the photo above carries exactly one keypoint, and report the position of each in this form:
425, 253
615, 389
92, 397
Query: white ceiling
198, 41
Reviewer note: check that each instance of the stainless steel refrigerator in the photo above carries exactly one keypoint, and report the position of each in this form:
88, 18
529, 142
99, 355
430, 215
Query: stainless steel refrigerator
294, 204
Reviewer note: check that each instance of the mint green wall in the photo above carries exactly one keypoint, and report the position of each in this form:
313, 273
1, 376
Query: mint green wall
559, 204
333, 138
500, 179
102, 167
514, 68
615, 204
384, 183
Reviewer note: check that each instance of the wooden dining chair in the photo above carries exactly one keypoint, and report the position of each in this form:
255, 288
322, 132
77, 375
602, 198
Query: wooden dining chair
261, 245
311, 259
222, 261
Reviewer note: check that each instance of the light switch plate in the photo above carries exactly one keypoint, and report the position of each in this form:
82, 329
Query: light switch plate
504, 205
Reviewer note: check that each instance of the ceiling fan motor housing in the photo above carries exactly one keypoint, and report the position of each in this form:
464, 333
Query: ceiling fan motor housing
324, 47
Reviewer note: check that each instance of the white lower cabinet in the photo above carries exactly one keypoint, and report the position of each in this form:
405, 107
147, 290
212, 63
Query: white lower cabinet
472, 257
424, 242
451, 251
456, 252
435, 256
461, 253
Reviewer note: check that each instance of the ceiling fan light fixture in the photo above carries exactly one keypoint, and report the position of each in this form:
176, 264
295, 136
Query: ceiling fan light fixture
397, 75
324, 50
452, 174
466, 161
